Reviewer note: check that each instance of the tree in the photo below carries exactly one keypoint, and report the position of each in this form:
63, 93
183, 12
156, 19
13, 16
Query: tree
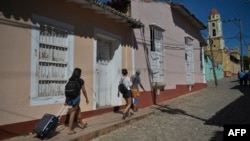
119, 5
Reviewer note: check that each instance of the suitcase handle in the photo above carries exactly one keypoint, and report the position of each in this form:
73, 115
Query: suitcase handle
62, 111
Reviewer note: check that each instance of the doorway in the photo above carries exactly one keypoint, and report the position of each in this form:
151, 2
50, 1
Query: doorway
108, 63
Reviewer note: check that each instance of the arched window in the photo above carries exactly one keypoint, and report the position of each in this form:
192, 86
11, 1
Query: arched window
213, 24
214, 32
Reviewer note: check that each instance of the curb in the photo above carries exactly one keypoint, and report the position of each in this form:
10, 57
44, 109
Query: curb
93, 131
111, 128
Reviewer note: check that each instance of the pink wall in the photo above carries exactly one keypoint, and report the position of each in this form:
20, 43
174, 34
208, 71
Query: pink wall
15, 41
176, 28
15, 54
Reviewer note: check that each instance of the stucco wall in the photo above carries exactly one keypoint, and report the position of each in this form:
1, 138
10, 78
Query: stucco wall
209, 70
15, 55
176, 28
15, 73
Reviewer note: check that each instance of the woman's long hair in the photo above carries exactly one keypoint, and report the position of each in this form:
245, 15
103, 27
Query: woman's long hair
76, 74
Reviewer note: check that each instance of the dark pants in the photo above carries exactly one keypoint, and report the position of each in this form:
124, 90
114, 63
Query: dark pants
244, 80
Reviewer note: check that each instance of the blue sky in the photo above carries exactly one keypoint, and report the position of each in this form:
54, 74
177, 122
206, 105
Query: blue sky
229, 10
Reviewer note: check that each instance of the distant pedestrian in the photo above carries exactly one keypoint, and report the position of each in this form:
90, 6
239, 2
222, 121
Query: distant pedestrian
75, 102
239, 76
136, 82
127, 96
242, 76
248, 77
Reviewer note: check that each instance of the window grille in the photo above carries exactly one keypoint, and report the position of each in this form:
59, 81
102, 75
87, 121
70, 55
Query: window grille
53, 48
189, 59
156, 54
51, 60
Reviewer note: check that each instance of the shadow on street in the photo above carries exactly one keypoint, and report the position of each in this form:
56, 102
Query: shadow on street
237, 112
167, 109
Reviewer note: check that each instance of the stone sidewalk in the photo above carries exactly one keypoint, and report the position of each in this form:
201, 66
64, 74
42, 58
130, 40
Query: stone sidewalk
97, 126
197, 116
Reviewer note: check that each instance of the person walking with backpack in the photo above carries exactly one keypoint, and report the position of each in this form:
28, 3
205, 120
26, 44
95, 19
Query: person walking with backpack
242, 75
136, 82
126, 95
73, 99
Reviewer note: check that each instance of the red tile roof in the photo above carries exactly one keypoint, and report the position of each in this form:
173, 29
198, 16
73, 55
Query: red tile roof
214, 11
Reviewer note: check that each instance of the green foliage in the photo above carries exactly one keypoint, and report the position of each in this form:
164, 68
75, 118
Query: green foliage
119, 5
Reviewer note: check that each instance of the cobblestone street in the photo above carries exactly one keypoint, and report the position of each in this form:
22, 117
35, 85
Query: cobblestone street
198, 116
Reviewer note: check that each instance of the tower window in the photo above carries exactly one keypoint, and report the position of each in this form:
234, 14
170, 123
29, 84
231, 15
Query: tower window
214, 32
213, 24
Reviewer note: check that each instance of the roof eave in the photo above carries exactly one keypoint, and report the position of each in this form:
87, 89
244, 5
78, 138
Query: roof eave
186, 13
109, 12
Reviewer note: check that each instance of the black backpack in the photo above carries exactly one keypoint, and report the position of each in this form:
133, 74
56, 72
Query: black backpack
72, 89
122, 88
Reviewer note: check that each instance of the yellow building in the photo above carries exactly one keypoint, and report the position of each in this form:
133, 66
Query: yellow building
235, 60
249, 52
227, 62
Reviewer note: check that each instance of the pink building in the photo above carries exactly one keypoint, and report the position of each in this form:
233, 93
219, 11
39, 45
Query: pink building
43, 40
169, 49
41, 43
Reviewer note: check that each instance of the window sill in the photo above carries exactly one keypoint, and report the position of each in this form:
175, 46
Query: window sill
47, 100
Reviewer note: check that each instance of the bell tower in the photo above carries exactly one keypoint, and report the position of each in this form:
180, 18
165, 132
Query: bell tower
215, 29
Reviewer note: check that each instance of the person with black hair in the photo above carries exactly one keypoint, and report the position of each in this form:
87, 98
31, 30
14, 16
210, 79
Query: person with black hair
75, 102
127, 96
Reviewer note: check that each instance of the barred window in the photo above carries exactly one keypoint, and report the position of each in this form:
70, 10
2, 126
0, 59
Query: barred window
189, 60
51, 62
157, 53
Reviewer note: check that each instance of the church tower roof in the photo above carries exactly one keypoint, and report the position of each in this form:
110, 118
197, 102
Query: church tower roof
214, 12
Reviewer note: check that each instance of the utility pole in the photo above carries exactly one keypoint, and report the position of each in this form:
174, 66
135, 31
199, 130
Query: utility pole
212, 59
241, 50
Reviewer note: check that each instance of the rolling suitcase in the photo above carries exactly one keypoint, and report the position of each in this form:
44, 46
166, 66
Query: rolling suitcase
48, 124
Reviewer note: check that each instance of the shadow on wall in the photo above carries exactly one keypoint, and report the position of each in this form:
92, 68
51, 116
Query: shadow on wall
20, 13
209, 70
184, 22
